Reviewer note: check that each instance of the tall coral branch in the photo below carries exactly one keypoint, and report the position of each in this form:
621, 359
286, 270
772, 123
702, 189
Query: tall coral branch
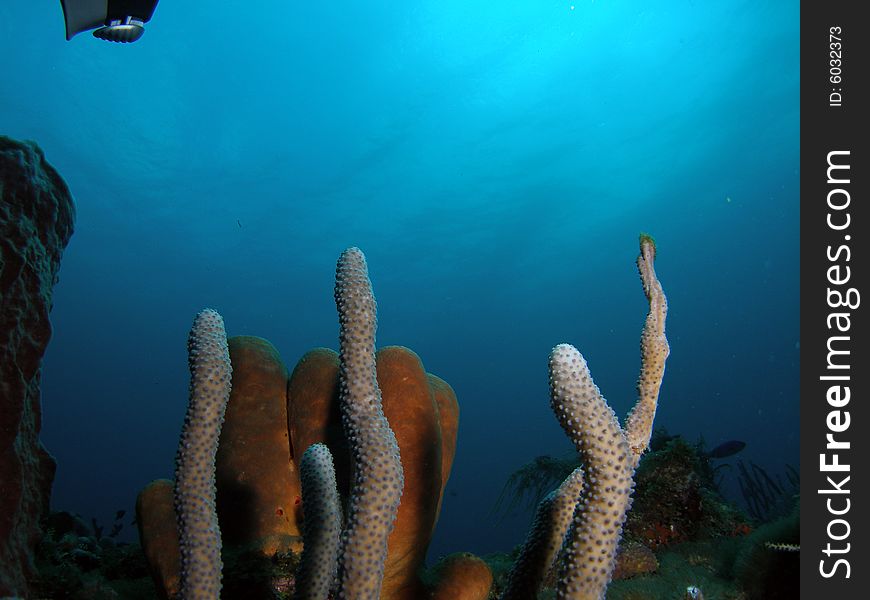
538, 554
609, 453
589, 549
377, 469
654, 352
321, 525
200, 538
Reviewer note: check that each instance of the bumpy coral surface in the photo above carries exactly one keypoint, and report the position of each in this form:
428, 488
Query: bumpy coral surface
377, 468
589, 550
654, 352
538, 555
609, 454
321, 525
199, 534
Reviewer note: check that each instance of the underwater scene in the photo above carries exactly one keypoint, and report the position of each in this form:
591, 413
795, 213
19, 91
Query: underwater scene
429, 300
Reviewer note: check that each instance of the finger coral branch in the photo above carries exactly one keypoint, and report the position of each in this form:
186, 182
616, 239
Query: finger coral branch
589, 549
321, 526
200, 538
542, 545
377, 469
654, 352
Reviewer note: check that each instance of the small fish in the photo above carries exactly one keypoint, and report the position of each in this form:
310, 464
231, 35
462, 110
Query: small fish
120, 514
239, 222
726, 449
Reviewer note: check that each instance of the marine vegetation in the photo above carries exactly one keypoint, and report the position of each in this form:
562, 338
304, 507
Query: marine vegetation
767, 497
531, 482
76, 561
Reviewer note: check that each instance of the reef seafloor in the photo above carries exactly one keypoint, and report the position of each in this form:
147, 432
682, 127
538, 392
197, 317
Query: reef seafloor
370, 438
680, 534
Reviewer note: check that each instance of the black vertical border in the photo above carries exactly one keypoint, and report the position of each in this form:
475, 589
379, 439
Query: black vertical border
824, 129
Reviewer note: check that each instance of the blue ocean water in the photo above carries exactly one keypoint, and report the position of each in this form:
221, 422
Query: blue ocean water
495, 162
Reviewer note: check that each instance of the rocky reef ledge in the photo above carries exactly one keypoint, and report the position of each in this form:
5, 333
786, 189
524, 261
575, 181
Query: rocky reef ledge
36, 222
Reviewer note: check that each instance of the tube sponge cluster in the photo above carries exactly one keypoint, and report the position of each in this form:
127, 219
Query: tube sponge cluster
321, 525
210, 381
377, 470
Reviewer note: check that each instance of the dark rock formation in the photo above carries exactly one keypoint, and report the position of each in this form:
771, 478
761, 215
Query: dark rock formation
36, 222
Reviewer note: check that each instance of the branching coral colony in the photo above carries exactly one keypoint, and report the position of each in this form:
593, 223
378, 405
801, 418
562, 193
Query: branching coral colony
577, 527
597, 500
